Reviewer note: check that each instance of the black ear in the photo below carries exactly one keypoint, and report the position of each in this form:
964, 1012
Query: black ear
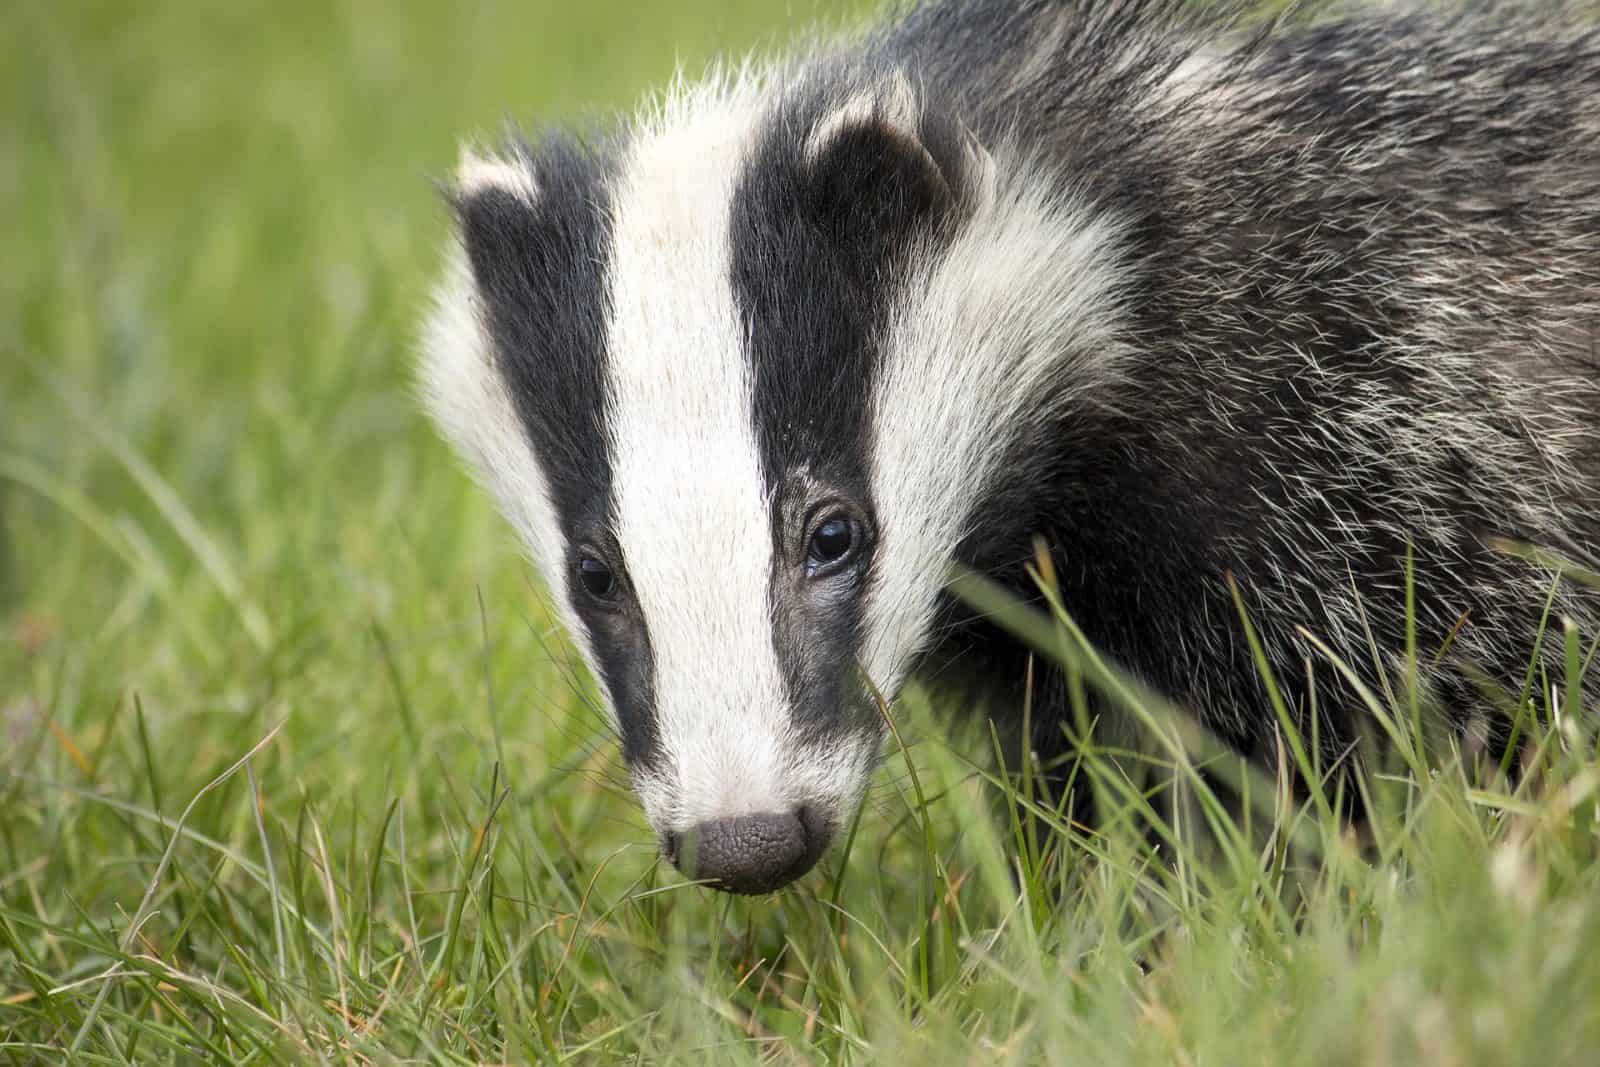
535, 231
881, 167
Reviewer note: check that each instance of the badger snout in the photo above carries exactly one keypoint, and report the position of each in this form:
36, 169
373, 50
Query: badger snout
751, 854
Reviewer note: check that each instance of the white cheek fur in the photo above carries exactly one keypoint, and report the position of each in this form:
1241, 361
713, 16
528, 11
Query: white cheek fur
1024, 300
466, 396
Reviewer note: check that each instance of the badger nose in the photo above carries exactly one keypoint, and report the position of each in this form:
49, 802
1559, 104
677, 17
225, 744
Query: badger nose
749, 853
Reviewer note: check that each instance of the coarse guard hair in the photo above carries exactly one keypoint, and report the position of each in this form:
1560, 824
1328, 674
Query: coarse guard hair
1310, 308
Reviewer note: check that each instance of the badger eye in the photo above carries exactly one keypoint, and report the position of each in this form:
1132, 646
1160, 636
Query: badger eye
597, 578
831, 542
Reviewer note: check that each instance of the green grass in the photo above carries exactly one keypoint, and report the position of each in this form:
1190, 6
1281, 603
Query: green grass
225, 532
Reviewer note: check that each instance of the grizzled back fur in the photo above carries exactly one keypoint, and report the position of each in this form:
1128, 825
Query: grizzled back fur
1185, 297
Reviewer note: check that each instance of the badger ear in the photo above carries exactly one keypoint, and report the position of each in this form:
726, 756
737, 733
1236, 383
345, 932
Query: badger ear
478, 173
495, 200
880, 165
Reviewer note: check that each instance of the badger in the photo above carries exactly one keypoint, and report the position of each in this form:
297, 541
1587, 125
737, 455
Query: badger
1191, 302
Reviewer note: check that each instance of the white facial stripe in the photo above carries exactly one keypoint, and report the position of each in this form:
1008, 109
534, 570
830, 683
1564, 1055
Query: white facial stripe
692, 510
1023, 303
467, 398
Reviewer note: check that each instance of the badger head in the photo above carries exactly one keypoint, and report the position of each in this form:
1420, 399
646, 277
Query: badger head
741, 377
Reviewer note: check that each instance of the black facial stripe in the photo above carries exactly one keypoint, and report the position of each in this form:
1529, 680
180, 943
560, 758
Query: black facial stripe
541, 273
818, 241
809, 308
809, 313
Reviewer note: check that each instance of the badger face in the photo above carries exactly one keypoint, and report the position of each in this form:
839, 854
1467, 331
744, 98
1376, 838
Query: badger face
739, 379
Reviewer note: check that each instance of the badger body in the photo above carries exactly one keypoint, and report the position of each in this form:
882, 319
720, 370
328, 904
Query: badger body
1308, 307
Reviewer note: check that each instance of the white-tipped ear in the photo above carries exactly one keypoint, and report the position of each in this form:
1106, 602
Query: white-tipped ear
482, 172
886, 136
891, 106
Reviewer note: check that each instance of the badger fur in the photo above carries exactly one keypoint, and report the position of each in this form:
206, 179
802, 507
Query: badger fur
1179, 297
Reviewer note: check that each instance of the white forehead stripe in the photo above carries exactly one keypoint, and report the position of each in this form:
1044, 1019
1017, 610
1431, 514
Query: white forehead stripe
465, 394
692, 509
1022, 305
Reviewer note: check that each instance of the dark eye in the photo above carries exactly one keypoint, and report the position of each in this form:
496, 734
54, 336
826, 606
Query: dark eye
831, 542
597, 578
